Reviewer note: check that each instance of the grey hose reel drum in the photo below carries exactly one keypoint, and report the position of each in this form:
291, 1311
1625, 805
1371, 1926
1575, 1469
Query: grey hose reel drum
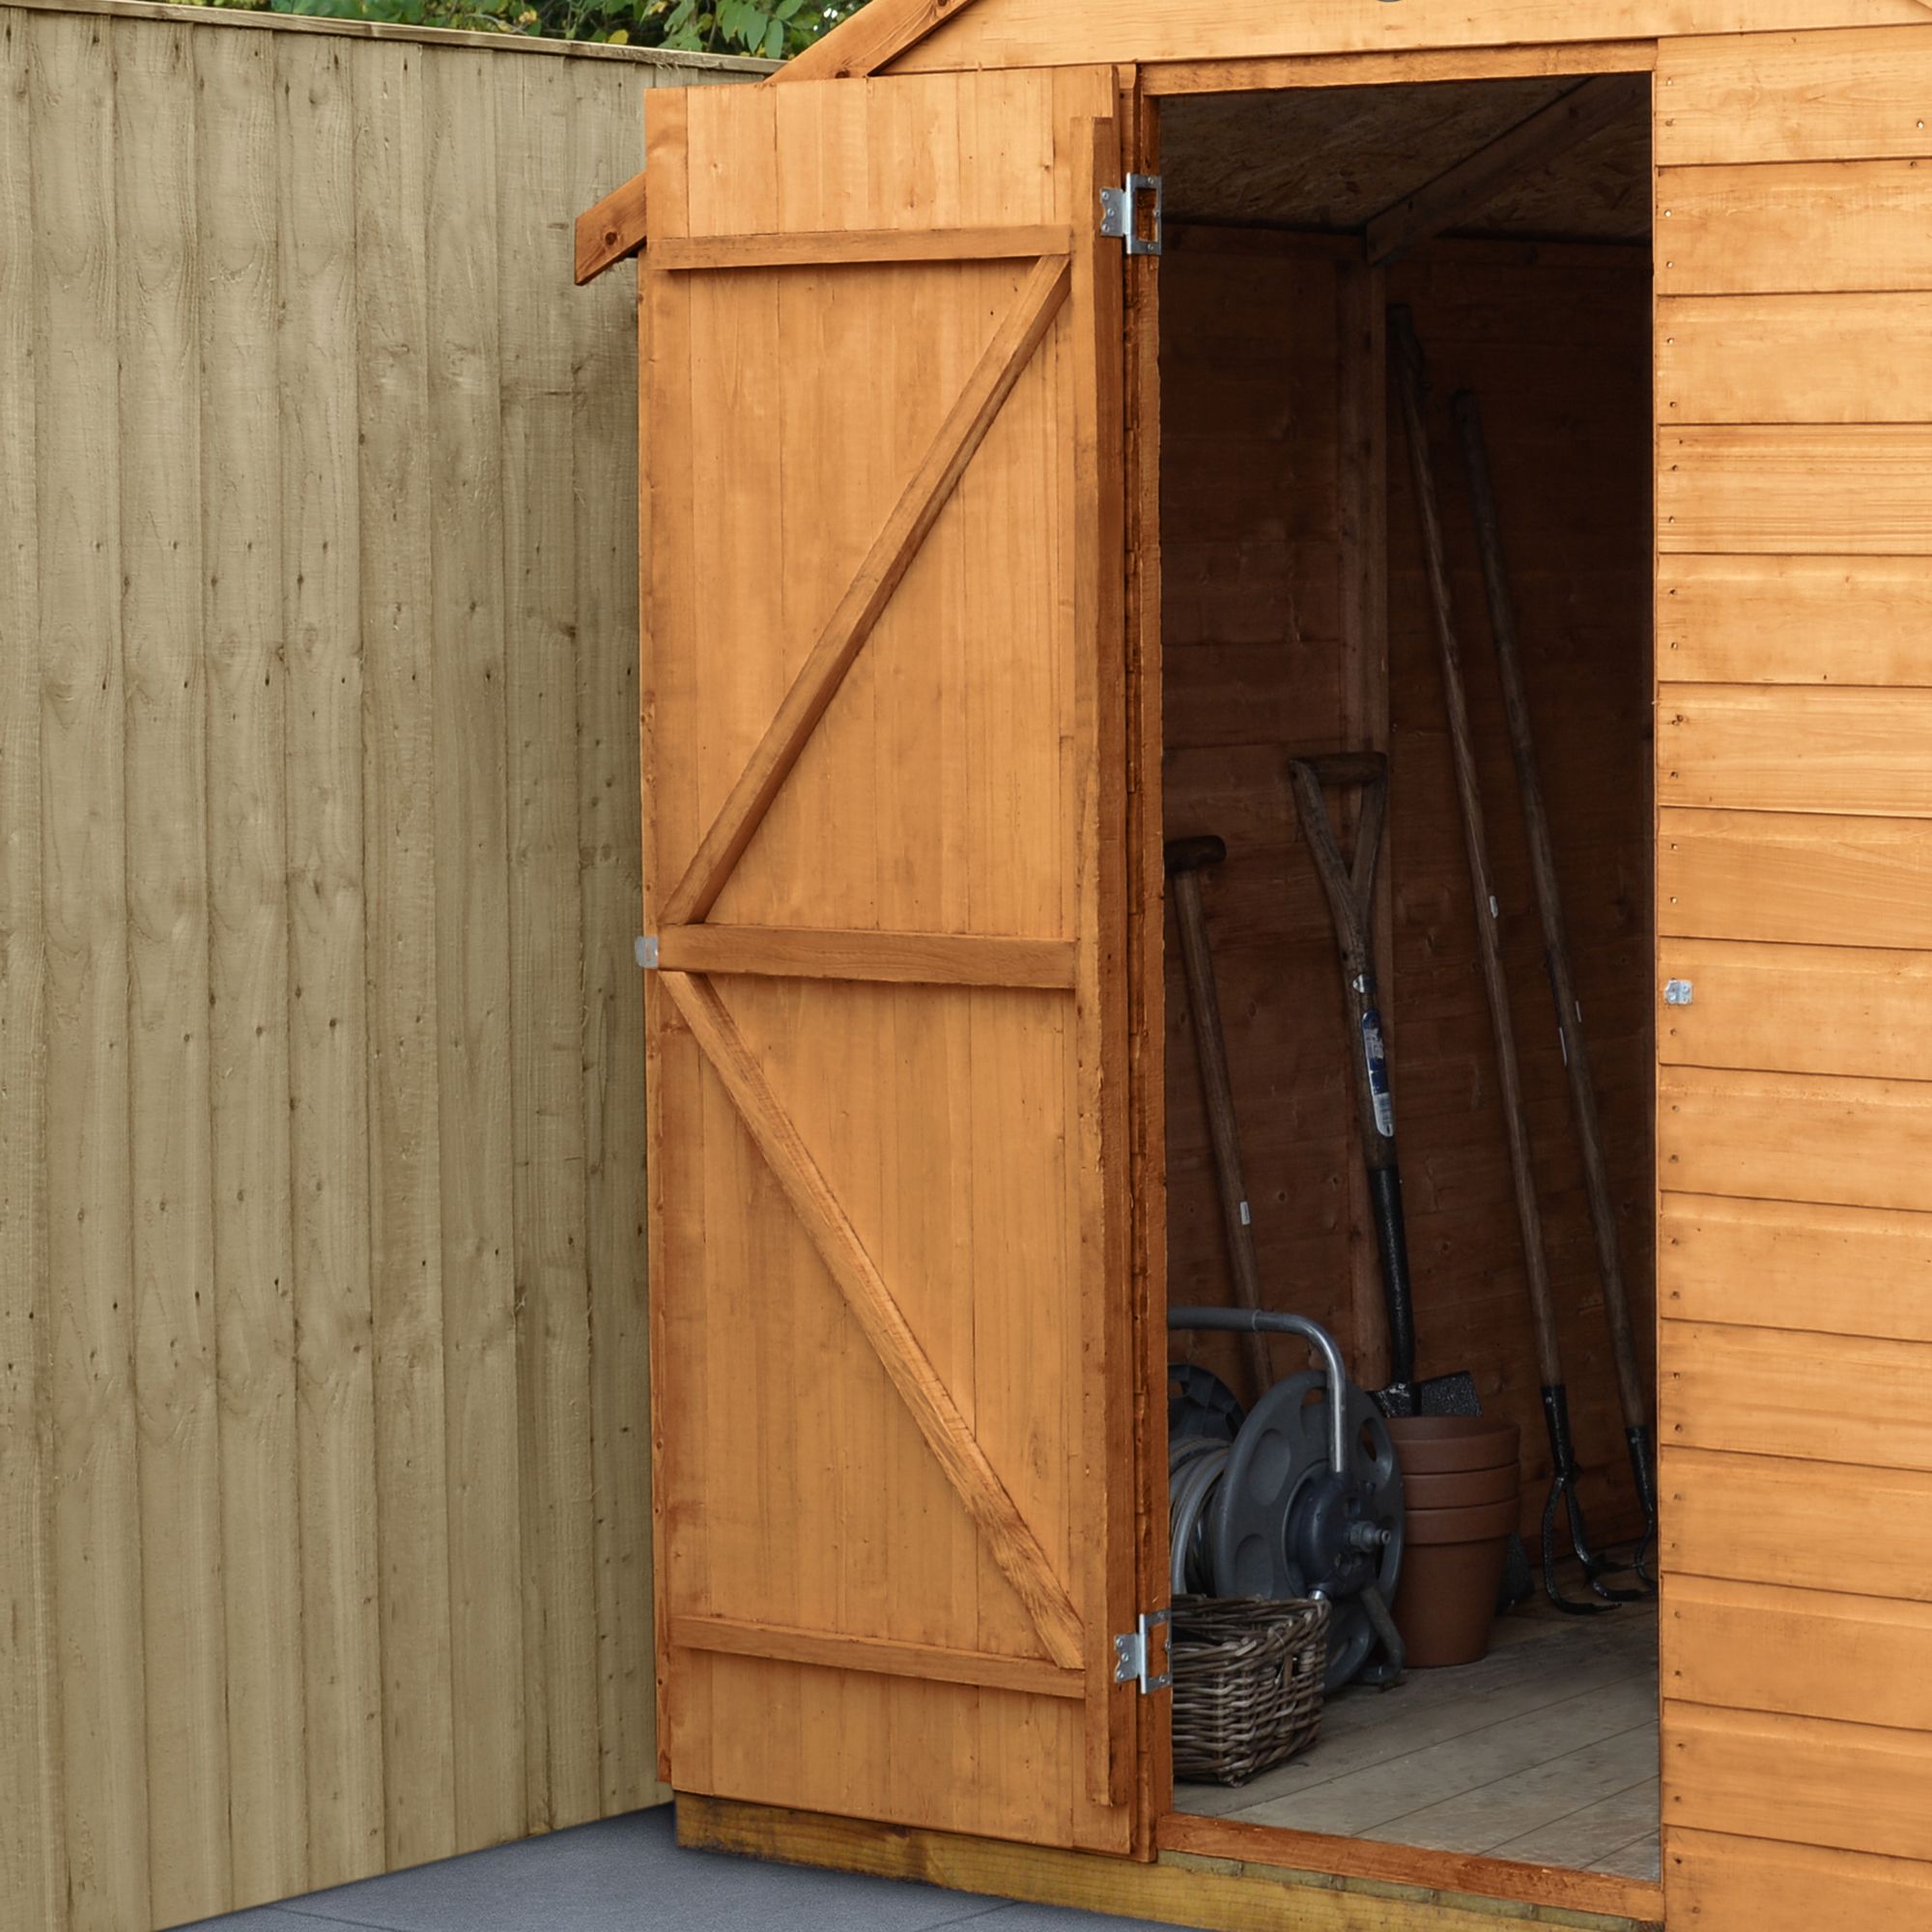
1305, 1500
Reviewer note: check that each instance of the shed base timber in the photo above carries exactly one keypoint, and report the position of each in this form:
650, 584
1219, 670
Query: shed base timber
1220, 1894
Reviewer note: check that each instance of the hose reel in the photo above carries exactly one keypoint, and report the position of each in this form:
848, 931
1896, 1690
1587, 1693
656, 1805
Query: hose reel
1302, 1497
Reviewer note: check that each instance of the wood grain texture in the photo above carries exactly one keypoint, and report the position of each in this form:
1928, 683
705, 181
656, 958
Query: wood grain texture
1776, 1392
1211, 1891
907, 959
1793, 228
604, 469
1794, 1137
1796, 878
1765, 620
329, 1073
957, 1133
248, 963
94, 1499
1798, 1008
1756, 1885
404, 1122
884, 568
611, 231
1048, 33
1785, 749
1878, 1261
562, 1769
33, 1834
1835, 488
1817, 359
1858, 95
1766, 1519
1800, 1653
243, 593
168, 979
1014, 1545
737, 1637
796, 249
1865, 1788
476, 1172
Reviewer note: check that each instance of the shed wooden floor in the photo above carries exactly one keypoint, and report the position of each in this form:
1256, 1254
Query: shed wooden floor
1546, 1751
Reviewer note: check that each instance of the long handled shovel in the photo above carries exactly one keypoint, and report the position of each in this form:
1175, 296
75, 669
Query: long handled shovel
1186, 860
1405, 350
1562, 980
1351, 887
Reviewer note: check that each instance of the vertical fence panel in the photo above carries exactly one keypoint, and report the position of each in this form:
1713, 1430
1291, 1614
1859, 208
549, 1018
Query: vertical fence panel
472, 962
328, 1083
248, 953
32, 1840
158, 262
533, 129
325, 1482
97, 1509
405, 1126
604, 389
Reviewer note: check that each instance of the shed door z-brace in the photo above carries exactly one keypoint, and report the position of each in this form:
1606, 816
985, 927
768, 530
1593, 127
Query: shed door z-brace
883, 693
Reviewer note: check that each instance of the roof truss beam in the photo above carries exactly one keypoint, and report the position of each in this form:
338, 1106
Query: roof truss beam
1552, 132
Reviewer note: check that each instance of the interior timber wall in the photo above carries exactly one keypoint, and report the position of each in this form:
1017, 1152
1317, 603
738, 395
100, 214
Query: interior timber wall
1795, 1121
1556, 343
323, 1465
1271, 478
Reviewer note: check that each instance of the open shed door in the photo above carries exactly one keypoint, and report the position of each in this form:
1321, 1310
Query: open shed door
883, 711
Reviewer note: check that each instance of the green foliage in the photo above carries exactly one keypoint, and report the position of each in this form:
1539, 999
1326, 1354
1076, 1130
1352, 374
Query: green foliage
773, 29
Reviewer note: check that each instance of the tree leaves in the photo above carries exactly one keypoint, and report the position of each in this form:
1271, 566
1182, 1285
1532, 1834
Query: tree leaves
768, 29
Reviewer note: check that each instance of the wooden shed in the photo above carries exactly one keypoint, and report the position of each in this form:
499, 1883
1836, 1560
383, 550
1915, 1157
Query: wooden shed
1038, 523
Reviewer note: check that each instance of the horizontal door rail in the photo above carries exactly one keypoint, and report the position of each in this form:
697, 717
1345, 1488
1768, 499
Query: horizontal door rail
879, 1656
896, 959
854, 248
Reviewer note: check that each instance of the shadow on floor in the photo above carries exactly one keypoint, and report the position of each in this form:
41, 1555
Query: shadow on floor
628, 1875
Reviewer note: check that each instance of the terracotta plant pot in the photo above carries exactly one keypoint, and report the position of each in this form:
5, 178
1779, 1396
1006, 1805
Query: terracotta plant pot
1461, 1486
1445, 1445
1453, 1492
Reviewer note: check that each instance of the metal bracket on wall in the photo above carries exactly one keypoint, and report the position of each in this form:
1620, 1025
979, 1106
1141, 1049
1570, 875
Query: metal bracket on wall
1120, 212
1679, 993
646, 950
1133, 1654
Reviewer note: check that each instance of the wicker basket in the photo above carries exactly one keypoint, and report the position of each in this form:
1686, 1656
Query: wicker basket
1247, 1684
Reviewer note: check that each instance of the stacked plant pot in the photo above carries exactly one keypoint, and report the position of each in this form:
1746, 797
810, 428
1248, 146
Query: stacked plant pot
1461, 1486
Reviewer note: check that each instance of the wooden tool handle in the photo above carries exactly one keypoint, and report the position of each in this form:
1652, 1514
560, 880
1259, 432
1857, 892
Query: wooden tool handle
1218, 1092
1549, 905
1405, 352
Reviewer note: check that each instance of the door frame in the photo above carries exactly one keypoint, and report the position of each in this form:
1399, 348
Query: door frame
1160, 1828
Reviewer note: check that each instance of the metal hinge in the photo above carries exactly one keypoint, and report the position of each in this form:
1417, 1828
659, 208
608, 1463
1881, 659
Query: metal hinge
646, 950
1121, 213
1679, 993
1133, 1654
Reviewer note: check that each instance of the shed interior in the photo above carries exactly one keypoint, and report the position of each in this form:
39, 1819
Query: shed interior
1297, 618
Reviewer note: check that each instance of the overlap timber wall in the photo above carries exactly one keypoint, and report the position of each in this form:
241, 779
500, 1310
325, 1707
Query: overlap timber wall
1795, 856
323, 1450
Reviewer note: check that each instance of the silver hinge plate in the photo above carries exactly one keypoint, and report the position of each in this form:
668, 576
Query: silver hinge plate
646, 950
1134, 1661
1679, 993
1120, 212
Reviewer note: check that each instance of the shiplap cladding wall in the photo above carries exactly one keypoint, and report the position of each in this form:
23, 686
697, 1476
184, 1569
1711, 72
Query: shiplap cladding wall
1793, 271
324, 1445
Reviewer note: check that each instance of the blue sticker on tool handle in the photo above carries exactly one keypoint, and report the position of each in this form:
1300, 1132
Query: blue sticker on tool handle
1376, 1057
